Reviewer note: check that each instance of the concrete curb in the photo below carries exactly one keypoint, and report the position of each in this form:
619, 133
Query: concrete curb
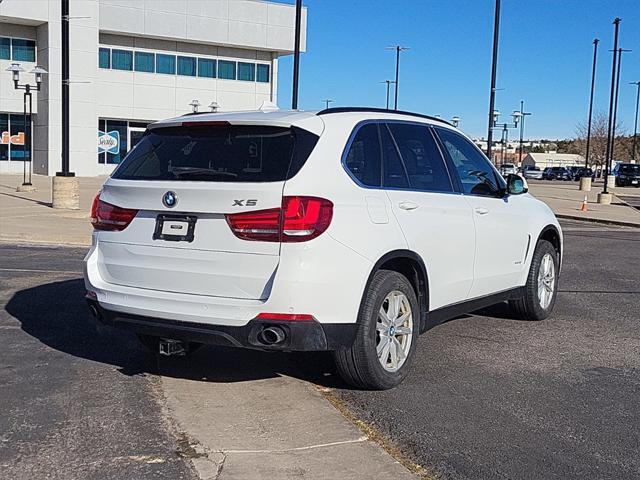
598, 220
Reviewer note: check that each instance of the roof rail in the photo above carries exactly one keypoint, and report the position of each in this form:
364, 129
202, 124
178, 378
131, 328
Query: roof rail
327, 111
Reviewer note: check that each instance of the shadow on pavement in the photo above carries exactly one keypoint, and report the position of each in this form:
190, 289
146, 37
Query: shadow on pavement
57, 315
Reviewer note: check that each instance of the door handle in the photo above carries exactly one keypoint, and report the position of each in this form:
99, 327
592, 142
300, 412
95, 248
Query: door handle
481, 210
408, 205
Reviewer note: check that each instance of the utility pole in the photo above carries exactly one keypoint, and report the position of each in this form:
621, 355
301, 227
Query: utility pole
398, 49
494, 67
605, 196
635, 125
593, 82
296, 56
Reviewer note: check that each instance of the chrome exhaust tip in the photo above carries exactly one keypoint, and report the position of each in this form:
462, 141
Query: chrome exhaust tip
272, 335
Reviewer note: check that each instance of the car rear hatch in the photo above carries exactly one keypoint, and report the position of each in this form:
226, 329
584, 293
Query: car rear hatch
179, 184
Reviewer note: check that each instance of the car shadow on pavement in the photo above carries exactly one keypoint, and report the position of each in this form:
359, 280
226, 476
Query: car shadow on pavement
57, 315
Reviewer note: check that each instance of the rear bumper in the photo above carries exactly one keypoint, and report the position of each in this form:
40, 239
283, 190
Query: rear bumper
298, 335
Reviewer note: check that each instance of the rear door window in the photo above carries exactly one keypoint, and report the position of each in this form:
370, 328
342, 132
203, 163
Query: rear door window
363, 157
421, 156
228, 153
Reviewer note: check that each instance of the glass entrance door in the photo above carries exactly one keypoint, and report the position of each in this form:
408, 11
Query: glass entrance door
135, 134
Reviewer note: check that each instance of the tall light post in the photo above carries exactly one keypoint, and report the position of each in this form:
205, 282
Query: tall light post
593, 83
516, 116
494, 68
388, 82
605, 196
615, 102
635, 124
296, 56
38, 71
327, 102
397, 49
523, 114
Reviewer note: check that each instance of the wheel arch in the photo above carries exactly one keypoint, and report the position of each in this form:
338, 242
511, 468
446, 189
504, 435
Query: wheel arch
551, 234
411, 265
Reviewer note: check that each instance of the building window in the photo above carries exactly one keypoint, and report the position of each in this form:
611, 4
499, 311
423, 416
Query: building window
187, 66
121, 60
145, 62
247, 71
262, 74
13, 136
116, 138
206, 67
104, 58
165, 64
226, 69
5, 48
23, 50
4, 136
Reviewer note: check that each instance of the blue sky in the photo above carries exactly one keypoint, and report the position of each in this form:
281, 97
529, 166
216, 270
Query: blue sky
544, 58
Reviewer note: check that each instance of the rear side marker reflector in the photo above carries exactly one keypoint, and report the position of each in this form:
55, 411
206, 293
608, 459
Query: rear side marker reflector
287, 317
298, 220
105, 216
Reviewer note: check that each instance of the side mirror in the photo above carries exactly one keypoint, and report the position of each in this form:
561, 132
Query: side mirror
516, 185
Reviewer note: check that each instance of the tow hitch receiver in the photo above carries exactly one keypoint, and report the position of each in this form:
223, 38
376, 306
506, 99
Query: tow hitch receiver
171, 347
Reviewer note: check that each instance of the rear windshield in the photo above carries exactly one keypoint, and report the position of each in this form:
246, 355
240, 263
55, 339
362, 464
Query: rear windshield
218, 153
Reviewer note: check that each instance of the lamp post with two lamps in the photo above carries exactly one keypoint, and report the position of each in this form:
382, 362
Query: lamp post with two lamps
38, 71
516, 115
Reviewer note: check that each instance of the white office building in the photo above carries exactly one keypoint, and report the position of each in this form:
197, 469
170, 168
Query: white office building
132, 62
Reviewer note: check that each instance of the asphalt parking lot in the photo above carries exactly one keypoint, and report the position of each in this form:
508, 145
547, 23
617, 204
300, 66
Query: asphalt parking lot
492, 397
489, 397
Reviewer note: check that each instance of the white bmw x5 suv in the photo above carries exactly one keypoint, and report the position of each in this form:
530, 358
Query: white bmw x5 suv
351, 230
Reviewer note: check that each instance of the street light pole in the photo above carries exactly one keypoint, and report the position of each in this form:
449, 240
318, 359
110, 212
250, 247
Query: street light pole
616, 31
398, 49
388, 82
522, 115
327, 101
593, 82
494, 67
615, 103
635, 125
296, 56
38, 71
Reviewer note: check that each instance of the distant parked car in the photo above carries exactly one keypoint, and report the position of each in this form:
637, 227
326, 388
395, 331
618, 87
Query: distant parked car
531, 172
508, 169
580, 172
627, 175
556, 173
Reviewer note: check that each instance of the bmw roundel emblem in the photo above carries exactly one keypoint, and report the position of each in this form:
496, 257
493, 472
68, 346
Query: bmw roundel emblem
170, 199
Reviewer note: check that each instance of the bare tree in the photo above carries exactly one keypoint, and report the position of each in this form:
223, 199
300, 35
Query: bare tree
598, 146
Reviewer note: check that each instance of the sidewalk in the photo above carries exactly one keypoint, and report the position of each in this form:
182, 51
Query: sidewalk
565, 200
28, 217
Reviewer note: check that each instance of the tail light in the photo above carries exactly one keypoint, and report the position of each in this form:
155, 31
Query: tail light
105, 216
298, 220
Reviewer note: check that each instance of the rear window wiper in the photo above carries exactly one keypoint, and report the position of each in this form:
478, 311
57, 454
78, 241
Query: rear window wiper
186, 171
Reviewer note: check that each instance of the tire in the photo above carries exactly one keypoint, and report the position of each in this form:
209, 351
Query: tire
532, 306
359, 364
151, 343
